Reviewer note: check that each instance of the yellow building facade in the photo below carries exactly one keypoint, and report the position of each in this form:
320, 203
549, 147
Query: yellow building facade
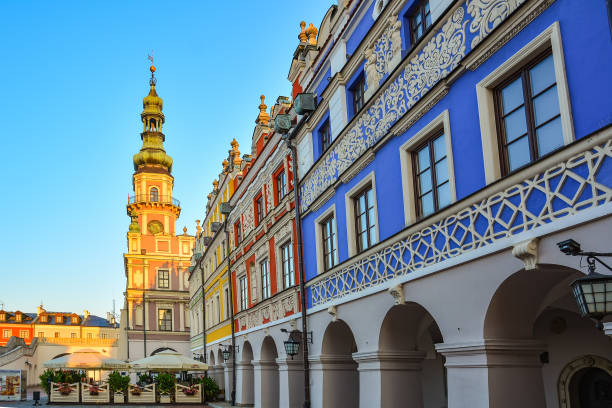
210, 263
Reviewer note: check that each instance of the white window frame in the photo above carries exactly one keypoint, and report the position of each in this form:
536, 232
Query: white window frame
24, 334
280, 265
246, 282
319, 237
549, 38
226, 302
440, 123
6, 333
350, 212
260, 278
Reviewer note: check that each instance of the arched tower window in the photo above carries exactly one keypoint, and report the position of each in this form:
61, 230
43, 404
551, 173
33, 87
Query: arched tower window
154, 195
153, 125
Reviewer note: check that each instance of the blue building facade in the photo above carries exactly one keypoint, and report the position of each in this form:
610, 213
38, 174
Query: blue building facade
453, 145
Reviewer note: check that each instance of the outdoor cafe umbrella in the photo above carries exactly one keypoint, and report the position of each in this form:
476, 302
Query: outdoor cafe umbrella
86, 359
168, 360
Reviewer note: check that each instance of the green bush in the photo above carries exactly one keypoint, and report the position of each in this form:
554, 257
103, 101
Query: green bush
60, 376
211, 389
144, 379
165, 382
118, 382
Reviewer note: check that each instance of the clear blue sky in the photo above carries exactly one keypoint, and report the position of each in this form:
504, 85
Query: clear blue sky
73, 77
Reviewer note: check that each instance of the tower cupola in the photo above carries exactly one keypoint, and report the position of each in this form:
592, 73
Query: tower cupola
152, 154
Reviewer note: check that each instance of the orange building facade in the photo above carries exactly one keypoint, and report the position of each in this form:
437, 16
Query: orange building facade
16, 324
157, 261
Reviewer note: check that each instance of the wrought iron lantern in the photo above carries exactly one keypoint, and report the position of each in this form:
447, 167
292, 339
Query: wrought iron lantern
291, 347
226, 354
593, 293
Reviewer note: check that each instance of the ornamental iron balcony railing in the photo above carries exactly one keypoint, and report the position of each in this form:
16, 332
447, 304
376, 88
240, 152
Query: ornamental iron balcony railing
570, 182
152, 198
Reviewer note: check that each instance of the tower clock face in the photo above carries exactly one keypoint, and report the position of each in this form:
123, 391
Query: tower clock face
155, 227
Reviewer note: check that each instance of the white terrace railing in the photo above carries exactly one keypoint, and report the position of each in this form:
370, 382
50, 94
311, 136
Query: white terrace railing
188, 395
141, 395
576, 179
61, 392
95, 394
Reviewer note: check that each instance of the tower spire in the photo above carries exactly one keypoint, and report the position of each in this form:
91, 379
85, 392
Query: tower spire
152, 154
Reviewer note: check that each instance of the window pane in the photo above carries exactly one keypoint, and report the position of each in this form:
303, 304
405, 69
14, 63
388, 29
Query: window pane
444, 197
370, 198
542, 75
518, 153
546, 106
516, 125
512, 96
364, 240
550, 137
439, 146
423, 155
442, 171
373, 236
427, 203
425, 181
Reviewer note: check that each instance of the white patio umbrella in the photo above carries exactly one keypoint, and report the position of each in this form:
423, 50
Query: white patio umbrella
168, 360
86, 359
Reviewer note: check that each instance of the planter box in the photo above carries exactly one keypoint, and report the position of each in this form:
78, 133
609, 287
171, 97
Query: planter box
56, 396
165, 399
119, 398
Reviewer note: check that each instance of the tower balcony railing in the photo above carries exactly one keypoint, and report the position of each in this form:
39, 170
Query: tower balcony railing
151, 198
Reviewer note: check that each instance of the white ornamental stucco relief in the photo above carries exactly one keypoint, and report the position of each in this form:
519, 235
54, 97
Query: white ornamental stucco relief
437, 59
488, 14
383, 55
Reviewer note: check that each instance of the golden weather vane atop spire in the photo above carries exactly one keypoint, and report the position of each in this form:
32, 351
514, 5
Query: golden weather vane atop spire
150, 58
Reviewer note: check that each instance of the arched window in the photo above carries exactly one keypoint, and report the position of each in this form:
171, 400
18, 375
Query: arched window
154, 195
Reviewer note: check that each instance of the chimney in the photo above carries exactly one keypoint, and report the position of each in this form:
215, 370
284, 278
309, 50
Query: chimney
39, 310
85, 314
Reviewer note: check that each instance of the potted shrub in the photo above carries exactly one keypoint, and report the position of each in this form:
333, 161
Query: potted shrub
118, 384
165, 382
210, 388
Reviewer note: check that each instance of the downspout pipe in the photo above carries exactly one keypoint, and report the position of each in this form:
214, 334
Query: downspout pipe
231, 307
298, 226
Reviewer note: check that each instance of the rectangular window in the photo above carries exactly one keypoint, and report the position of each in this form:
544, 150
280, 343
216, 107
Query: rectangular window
56, 335
281, 186
243, 293
73, 335
528, 114
432, 176
24, 334
238, 232
420, 21
41, 335
325, 136
259, 209
265, 279
287, 265
165, 319
163, 279
328, 233
18, 318
89, 336
365, 221
357, 92
218, 303
6, 333
227, 302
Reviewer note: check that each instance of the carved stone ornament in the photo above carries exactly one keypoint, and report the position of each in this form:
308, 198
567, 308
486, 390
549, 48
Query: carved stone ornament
527, 251
383, 55
488, 14
397, 292
333, 311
